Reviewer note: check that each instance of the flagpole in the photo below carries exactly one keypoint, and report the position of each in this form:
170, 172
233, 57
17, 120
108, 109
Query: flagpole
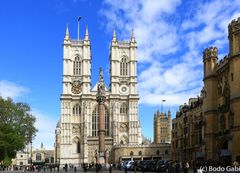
78, 26
162, 106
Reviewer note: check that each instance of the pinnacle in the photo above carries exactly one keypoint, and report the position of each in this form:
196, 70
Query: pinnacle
114, 36
86, 33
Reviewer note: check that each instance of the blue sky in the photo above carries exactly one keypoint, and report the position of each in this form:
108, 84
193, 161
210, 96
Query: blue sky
171, 36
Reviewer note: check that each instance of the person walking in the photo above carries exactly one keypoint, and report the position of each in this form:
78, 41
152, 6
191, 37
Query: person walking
110, 168
125, 168
186, 167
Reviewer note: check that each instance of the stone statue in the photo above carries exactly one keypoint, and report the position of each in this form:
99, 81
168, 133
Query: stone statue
101, 85
100, 74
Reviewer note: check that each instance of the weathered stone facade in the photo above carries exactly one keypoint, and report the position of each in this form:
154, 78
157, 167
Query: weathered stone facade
221, 101
33, 156
162, 127
78, 128
140, 152
188, 131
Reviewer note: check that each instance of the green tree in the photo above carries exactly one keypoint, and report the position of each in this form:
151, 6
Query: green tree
16, 128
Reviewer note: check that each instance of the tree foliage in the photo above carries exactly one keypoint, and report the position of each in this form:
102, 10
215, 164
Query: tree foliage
16, 127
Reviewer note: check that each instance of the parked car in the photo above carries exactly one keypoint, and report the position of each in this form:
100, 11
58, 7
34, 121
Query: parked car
128, 164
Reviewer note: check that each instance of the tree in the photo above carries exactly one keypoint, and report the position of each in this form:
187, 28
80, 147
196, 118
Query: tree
16, 127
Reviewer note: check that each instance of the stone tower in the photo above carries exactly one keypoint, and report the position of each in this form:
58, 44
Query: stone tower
76, 90
123, 89
210, 60
162, 127
234, 83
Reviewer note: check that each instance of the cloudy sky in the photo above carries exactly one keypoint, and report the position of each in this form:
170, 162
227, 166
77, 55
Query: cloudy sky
171, 36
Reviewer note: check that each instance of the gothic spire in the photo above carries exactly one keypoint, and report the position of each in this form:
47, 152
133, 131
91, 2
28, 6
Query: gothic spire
67, 36
133, 36
86, 33
114, 38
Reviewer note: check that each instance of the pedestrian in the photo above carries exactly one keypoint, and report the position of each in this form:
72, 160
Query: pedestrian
125, 168
96, 166
186, 166
177, 167
66, 167
110, 168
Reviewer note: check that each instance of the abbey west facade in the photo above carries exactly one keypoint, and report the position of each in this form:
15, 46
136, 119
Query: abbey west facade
77, 131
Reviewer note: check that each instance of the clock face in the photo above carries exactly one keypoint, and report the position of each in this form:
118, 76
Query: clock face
76, 87
123, 89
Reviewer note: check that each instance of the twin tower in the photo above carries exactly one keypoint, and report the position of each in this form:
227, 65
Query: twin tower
78, 129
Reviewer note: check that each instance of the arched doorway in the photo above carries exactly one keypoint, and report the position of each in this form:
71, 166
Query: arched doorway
225, 156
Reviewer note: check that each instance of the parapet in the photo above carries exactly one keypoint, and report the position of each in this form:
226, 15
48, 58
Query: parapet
210, 52
234, 26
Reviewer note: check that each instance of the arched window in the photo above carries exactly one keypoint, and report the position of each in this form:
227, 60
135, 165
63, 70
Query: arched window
123, 112
78, 147
38, 157
123, 109
77, 64
95, 122
124, 67
158, 152
166, 151
76, 110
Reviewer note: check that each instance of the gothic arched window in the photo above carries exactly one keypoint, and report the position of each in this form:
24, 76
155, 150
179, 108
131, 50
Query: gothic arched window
124, 67
95, 122
76, 110
123, 109
77, 64
78, 147
38, 156
123, 112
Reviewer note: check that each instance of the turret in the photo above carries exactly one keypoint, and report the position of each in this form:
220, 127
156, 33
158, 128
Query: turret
67, 36
210, 59
86, 37
169, 113
233, 36
114, 38
133, 41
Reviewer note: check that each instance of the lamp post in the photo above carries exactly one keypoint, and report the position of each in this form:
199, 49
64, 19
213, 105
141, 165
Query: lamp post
31, 151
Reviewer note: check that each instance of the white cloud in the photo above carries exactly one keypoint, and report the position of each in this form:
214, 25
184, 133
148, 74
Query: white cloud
170, 43
10, 89
154, 34
46, 125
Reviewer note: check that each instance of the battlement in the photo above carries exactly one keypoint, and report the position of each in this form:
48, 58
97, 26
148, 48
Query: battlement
234, 26
223, 61
210, 52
